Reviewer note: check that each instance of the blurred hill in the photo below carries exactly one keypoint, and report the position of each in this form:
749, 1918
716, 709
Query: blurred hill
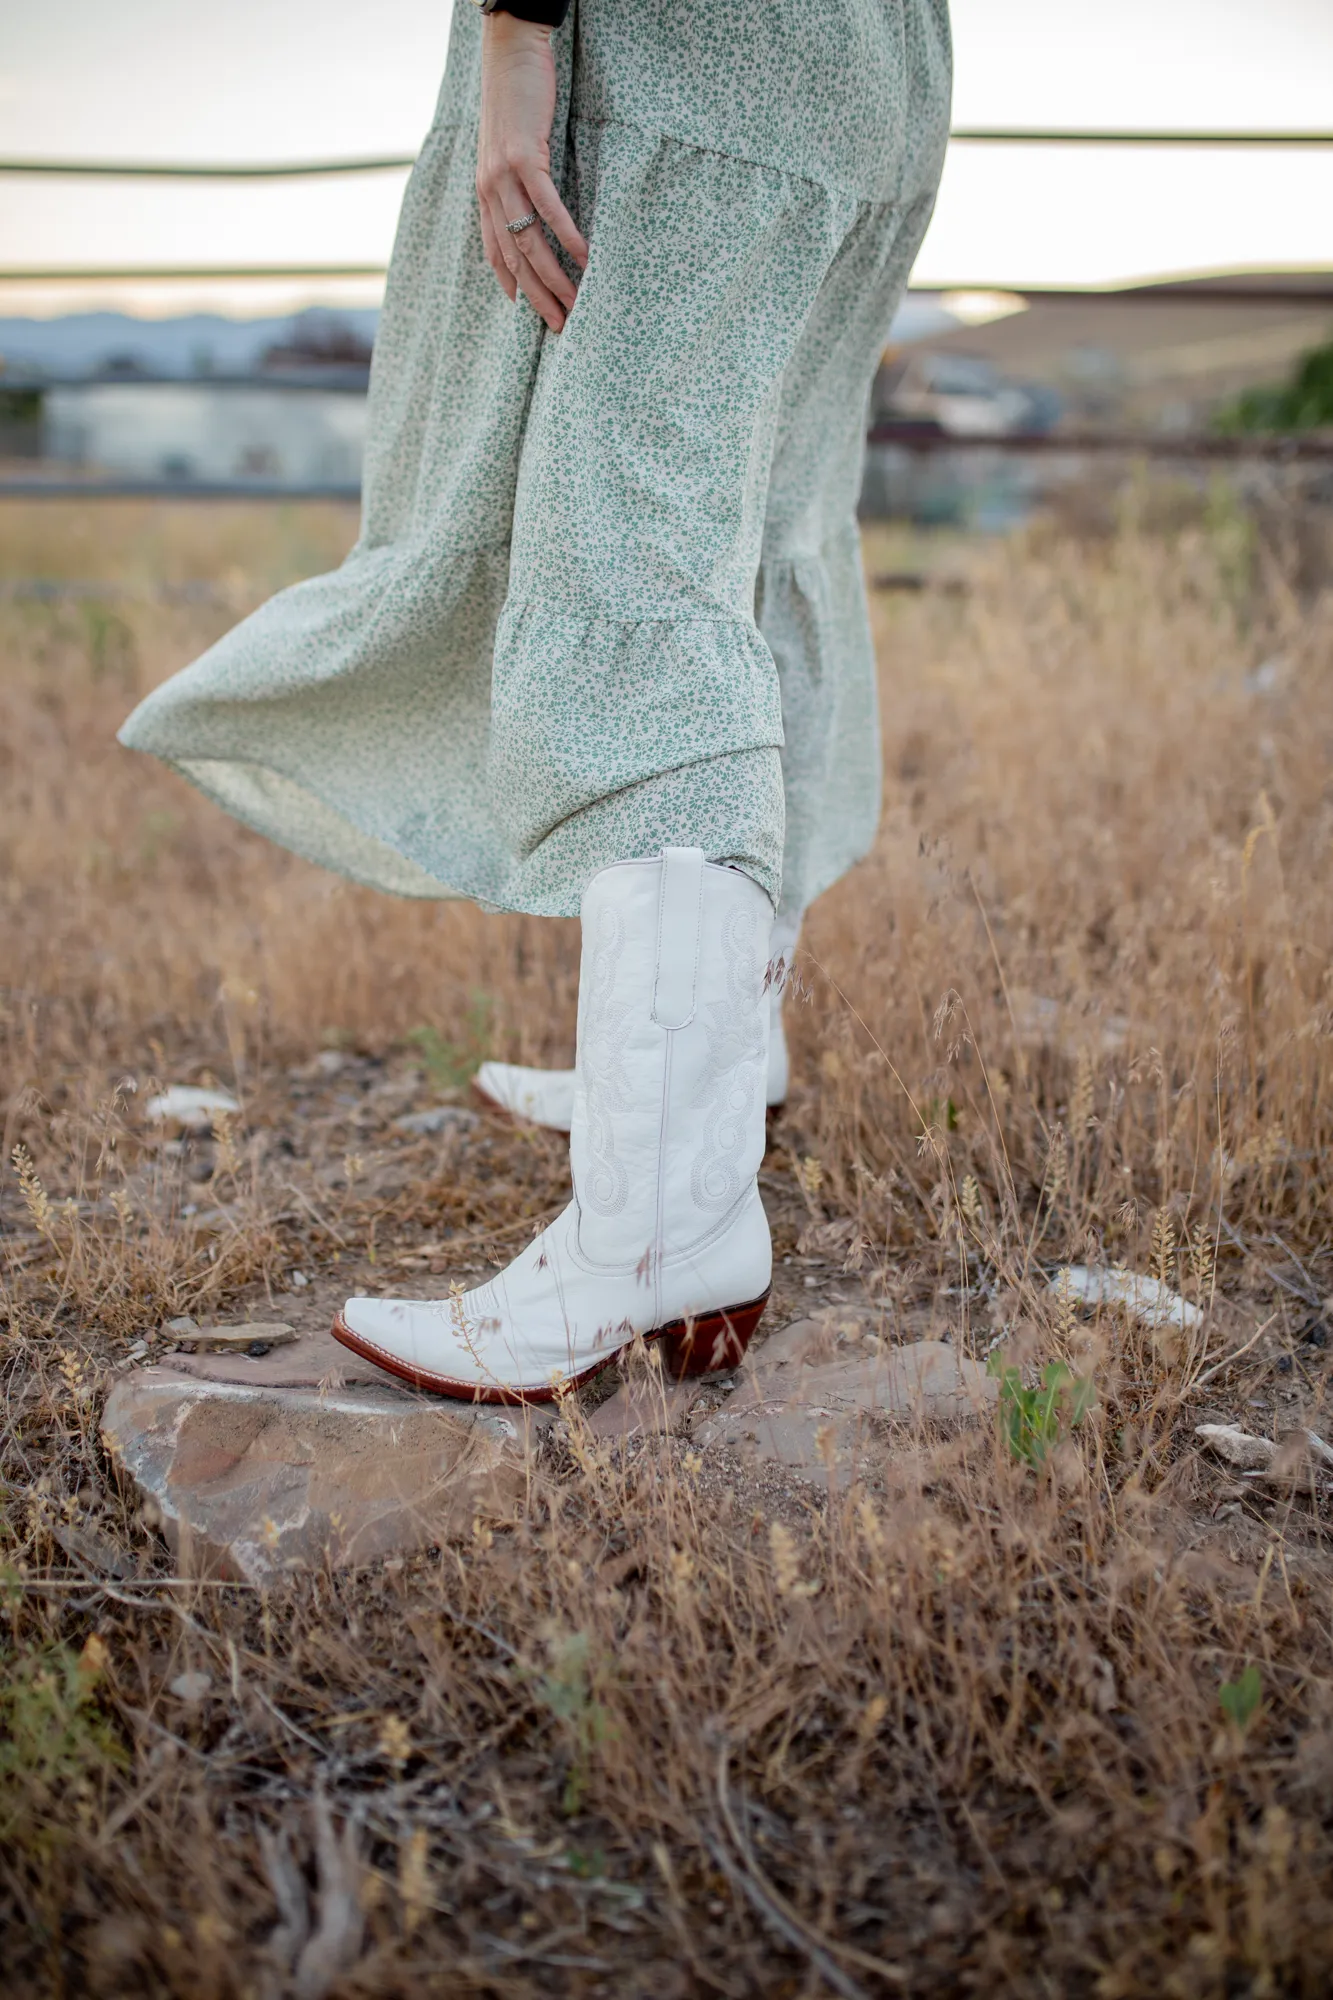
1152, 358
76, 345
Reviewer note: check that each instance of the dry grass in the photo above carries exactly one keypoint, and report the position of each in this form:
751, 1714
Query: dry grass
956, 1729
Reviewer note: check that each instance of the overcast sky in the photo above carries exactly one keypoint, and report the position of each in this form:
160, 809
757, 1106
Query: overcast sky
274, 79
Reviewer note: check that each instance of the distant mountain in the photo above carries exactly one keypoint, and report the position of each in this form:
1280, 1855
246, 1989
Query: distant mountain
199, 344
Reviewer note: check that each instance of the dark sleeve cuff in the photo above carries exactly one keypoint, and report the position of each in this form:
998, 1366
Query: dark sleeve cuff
549, 12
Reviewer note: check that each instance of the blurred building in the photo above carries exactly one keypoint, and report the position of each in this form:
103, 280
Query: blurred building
202, 400
1160, 360
207, 400
230, 428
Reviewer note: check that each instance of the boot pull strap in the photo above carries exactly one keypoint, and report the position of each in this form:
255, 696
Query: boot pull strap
679, 921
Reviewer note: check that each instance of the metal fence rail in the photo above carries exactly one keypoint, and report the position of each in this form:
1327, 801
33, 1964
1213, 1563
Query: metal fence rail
967, 135
24, 487
1013, 135
1301, 289
1193, 449
1268, 447
338, 379
168, 170
1312, 289
79, 274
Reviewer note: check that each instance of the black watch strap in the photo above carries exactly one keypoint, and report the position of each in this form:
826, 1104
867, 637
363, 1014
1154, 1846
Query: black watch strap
549, 12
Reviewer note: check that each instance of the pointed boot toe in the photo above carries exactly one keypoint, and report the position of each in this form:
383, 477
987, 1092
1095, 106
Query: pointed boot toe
531, 1096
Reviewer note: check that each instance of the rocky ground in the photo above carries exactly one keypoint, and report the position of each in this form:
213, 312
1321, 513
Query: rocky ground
260, 1446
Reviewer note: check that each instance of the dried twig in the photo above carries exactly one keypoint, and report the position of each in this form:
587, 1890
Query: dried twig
1229, 1360
291, 1933
335, 1943
778, 1913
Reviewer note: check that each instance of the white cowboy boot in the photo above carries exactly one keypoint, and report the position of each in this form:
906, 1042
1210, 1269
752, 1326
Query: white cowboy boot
666, 1235
546, 1096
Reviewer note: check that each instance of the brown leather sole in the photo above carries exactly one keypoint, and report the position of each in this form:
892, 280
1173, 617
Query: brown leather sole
690, 1347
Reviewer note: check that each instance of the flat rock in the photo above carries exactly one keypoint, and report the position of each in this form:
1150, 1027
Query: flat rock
256, 1480
801, 1343
820, 1416
236, 1339
306, 1361
649, 1406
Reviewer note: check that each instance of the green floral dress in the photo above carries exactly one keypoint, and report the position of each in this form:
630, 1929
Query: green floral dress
607, 595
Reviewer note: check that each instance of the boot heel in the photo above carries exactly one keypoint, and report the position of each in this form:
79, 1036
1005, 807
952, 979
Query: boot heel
714, 1340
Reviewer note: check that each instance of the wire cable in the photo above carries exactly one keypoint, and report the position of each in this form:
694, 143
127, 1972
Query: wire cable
979, 135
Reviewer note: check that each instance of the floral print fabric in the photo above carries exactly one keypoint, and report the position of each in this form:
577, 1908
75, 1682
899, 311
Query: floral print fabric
607, 594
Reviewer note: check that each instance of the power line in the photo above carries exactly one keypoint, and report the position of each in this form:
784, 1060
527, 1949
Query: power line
70, 274
985, 135
1011, 135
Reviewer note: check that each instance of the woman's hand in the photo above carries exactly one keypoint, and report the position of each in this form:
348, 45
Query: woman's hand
514, 167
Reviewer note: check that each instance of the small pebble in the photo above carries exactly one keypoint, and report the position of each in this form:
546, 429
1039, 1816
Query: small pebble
440, 1118
184, 1104
191, 1687
245, 1338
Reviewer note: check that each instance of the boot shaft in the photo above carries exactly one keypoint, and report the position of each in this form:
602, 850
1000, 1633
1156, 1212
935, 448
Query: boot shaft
670, 1084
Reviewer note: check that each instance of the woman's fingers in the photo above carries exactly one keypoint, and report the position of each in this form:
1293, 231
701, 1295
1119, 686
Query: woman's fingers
529, 259
556, 216
532, 246
545, 265
534, 290
493, 254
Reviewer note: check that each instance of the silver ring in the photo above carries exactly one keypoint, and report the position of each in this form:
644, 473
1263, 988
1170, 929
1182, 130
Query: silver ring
524, 222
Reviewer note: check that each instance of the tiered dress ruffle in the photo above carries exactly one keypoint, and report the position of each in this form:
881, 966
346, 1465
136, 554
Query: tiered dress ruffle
607, 595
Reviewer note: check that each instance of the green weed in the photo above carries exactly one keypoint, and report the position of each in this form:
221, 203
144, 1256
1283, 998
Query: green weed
567, 1691
54, 1742
1302, 403
1240, 1698
112, 648
1033, 1421
450, 1064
